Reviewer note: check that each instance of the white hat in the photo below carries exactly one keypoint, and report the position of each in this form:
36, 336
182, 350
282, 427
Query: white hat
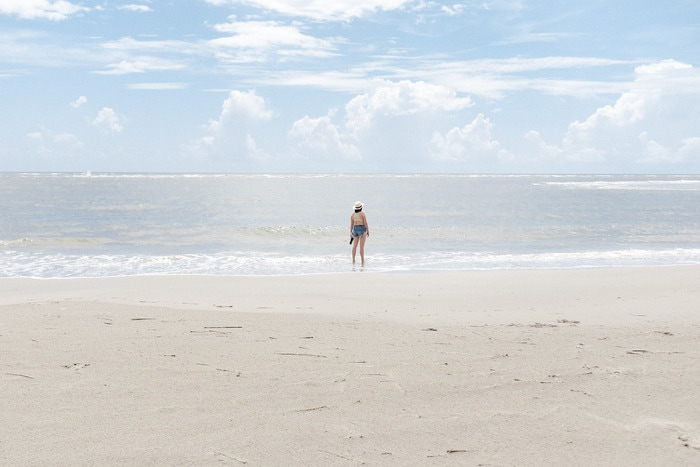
358, 205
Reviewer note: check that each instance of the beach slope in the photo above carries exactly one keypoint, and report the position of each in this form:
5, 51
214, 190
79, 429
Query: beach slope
578, 367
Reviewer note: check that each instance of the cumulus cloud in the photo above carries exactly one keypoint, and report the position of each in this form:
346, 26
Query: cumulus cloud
51, 143
231, 137
337, 10
108, 121
387, 125
319, 137
469, 143
689, 150
403, 98
647, 124
79, 102
535, 152
611, 120
57, 10
652, 152
241, 106
410, 125
652, 122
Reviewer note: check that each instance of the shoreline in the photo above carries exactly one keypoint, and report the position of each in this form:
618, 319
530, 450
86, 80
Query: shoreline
261, 263
536, 292
578, 367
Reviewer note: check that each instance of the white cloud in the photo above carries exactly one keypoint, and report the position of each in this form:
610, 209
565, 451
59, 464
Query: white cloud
253, 152
536, 150
108, 121
241, 106
401, 98
630, 108
137, 8
141, 65
57, 10
230, 139
453, 10
690, 150
51, 143
391, 121
79, 102
652, 151
157, 86
39, 48
469, 143
35, 135
319, 137
388, 125
654, 122
129, 44
336, 10
254, 40
496, 78
67, 138
662, 67
491, 78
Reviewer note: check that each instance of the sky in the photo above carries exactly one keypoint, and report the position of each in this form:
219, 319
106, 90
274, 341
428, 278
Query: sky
350, 86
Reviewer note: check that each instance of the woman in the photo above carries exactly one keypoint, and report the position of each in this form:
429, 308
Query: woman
359, 231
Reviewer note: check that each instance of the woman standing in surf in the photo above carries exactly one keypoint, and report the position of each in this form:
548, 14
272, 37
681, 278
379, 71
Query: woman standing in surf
359, 231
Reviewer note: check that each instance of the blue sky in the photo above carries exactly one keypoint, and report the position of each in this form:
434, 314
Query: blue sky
490, 86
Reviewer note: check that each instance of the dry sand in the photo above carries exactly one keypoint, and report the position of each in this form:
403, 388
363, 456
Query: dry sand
583, 367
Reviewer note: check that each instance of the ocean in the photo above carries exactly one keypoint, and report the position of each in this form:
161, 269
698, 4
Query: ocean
56, 225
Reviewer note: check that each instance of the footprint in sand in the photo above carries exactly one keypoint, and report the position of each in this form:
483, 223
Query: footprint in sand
76, 366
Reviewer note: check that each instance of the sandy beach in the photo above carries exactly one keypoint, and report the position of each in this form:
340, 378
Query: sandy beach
574, 367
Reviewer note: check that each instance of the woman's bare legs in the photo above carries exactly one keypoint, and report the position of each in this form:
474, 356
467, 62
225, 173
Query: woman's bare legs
361, 241
362, 249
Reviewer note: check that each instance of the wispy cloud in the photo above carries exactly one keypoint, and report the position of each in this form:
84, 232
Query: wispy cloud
257, 40
336, 10
136, 8
530, 37
129, 44
37, 48
157, 86
141, 65
57, 10
492, 78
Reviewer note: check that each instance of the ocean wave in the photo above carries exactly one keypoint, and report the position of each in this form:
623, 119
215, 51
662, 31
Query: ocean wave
18, 264
637, 185
51, 242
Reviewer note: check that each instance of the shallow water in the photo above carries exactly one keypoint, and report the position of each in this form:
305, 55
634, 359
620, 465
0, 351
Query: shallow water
94, 225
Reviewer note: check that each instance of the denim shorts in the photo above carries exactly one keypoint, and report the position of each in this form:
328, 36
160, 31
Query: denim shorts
359, 230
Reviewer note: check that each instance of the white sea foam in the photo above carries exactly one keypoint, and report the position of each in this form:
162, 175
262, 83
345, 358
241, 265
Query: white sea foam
15, 264
654, 185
